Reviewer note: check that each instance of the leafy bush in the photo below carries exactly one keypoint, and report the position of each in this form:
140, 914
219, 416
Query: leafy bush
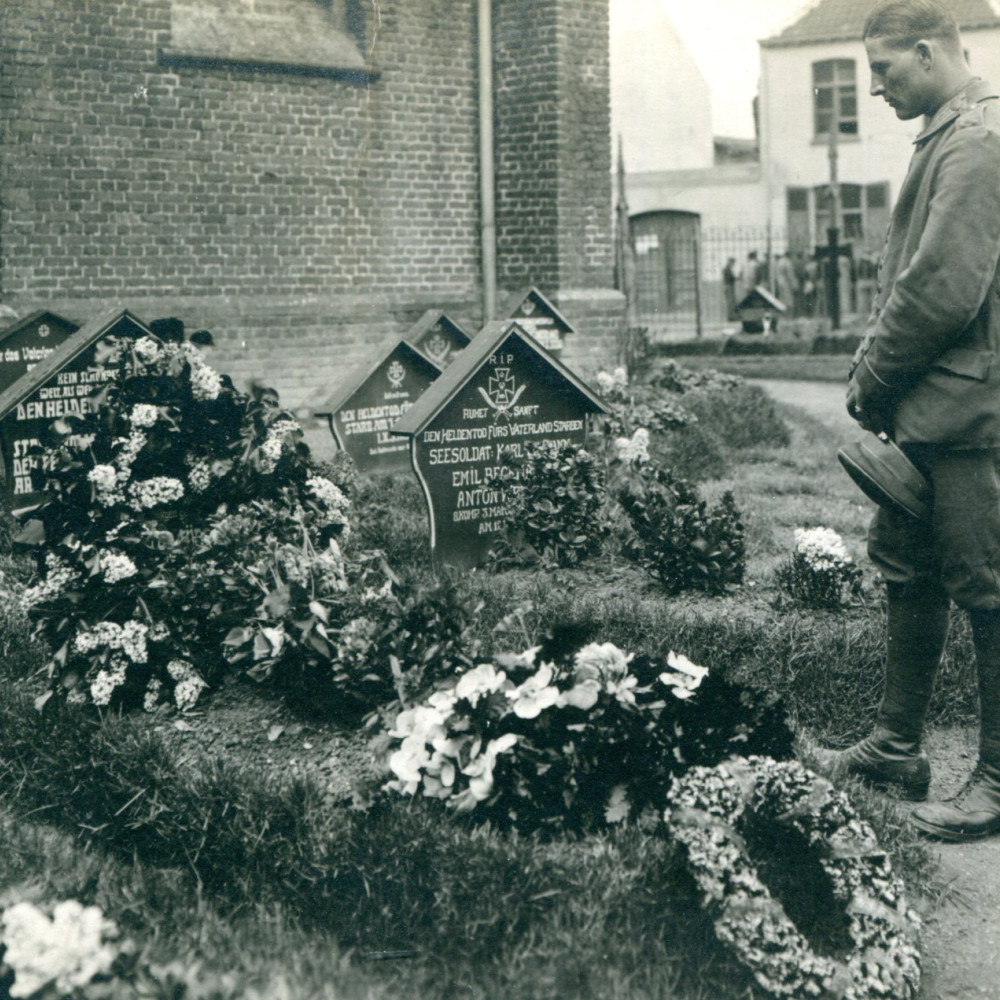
679, 540
390, 515
562, 739
555, 508
741, 415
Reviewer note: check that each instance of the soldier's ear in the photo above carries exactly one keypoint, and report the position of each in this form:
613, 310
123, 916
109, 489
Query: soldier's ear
925, 53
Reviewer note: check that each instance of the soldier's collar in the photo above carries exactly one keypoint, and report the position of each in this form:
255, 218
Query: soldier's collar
976, 90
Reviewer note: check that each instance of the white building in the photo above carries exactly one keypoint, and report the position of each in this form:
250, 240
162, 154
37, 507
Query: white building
814, 80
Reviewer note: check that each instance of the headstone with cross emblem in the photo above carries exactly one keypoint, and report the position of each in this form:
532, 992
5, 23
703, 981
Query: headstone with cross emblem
540, 318
469, 430
438, 336
29, 341
371, 399
60, 381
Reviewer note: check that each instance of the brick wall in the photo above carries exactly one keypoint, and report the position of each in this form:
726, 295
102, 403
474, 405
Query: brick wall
298, 217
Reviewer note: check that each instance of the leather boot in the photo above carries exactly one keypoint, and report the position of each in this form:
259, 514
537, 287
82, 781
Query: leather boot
975, 811
891, 757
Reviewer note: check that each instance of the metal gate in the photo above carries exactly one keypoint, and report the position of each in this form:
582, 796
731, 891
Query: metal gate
667, 288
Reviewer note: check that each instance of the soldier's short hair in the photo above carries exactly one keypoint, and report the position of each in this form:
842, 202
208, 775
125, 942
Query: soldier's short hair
902, 23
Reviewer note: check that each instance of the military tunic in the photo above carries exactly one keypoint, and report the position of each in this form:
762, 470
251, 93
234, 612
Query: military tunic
928, 369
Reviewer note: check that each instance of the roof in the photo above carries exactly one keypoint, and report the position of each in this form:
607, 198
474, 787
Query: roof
518, 299
9, 331
842, 20
430, 319
441, 392
71, 347
369, 365
760, 297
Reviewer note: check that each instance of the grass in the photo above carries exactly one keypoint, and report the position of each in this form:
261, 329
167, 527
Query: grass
289, 886
815, 368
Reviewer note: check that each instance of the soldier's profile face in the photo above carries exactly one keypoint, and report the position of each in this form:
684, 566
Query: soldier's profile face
899, 77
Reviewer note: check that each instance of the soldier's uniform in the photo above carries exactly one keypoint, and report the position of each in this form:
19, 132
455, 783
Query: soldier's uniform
928, 369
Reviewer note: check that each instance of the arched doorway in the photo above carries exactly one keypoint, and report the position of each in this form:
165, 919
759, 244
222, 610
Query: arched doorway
666, 271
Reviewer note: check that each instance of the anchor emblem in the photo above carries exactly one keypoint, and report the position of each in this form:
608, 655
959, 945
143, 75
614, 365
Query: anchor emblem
437, 348
396, 374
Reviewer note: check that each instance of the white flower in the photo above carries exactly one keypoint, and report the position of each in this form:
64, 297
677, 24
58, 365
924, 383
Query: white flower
152, 696
634, 449
144, 415
684, 676
270, 449
147, 350
159, 489
422, 723
200, 476
601, 660
66, 951
130, 639
479, 682
328, 493
583, 695
58, 577
188, 684
536, 694
117, 566
206, 383
480, 769
104, 477
822, 548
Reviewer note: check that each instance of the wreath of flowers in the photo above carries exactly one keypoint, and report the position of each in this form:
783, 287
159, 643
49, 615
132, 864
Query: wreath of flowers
707, 805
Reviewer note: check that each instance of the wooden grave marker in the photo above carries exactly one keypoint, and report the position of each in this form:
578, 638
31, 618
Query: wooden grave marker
59, 384
469, 429
541, 319
438, 337
371, 399
29, 341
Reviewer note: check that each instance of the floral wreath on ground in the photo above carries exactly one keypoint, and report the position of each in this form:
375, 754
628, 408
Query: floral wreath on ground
708, 805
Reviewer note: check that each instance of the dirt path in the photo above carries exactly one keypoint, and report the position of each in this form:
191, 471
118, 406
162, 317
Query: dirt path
961, 938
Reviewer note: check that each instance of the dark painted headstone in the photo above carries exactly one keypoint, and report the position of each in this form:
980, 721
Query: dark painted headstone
29, 341
759, 310
536, 314
438, 337
368, 402
59, 384
469, 429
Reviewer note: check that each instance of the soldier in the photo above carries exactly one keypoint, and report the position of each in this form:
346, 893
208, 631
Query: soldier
928, 374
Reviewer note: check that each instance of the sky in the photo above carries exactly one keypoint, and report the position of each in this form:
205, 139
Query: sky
722, 37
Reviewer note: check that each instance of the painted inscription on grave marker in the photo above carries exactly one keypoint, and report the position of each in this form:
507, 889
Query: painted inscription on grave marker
469, 431
540, 318
61, 383
438, 336
363, 409
29, 341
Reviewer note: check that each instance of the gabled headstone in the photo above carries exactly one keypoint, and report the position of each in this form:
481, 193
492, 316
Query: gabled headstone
438, 337
59, 384
469, 429
759, 310
540, 318
371, 399
29, 341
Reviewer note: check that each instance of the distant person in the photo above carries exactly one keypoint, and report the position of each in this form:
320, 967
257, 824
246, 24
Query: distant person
729, 280
926, 374
751, 273
784, 278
